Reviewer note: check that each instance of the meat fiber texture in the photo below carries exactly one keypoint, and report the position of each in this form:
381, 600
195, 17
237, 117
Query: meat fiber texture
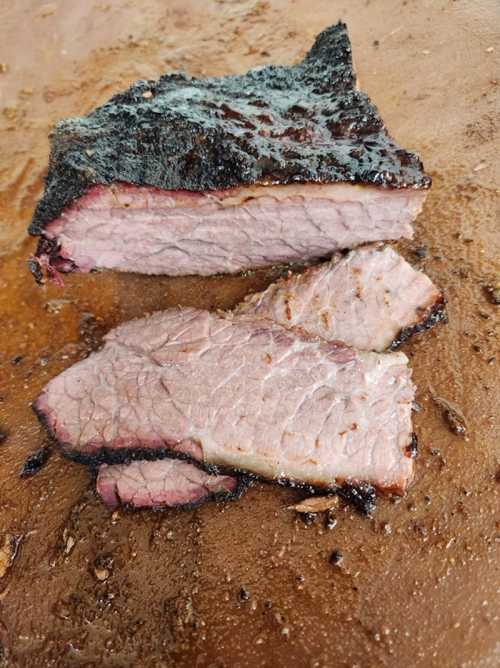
200, 176
237, 393
162, 483
371, 299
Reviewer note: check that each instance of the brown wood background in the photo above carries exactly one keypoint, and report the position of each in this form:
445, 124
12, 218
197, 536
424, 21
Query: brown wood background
419, 585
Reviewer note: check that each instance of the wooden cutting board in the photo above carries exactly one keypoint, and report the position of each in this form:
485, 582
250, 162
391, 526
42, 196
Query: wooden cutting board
248, 583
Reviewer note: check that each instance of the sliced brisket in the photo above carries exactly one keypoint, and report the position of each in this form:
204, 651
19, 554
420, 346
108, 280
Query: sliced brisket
185, 175
239, 393
151, 231
161, 483
369, 299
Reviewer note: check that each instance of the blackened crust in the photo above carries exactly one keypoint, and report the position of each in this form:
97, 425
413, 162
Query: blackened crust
434, 315
362, 496
273, 125
116, 455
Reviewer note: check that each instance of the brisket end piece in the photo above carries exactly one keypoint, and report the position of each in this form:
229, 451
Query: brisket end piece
371, 299
181, 149
161, 484
237, 393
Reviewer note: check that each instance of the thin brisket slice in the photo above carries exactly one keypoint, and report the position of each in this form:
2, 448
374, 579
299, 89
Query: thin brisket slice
162, 483
371, 299
199, 176
237, 393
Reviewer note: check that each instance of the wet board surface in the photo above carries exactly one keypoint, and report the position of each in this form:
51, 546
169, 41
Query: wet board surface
249, 583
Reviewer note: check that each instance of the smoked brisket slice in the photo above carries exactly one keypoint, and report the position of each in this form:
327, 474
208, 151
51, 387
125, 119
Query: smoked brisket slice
162, 483
151, 231
199, 176
370, 299
353, 298
237, 393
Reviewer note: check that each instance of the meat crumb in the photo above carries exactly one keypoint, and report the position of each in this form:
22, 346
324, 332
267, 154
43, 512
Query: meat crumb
8, 552
47, 9
35, 462
69, 542
102, 567
102, 574
243, 594
421, 252
336, 558
386, 528
452, 414
316, 504
493, 292
331, 520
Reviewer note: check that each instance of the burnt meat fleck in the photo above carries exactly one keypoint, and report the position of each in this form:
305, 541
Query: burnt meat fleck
243, 594
336, 558
412, 447
363, 497
35, 462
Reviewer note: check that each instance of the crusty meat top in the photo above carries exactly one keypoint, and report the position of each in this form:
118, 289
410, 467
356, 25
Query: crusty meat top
272, 125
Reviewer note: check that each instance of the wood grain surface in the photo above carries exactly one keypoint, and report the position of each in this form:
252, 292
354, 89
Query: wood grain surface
249, 583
